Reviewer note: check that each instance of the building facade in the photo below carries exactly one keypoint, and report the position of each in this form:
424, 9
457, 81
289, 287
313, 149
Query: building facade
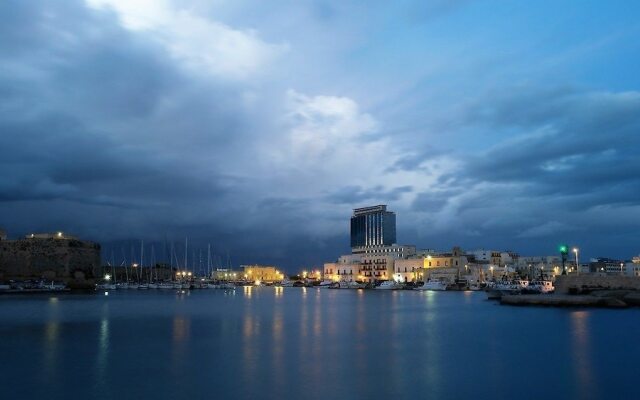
261, 273
373, 226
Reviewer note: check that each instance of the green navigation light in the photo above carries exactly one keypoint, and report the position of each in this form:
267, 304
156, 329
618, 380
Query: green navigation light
563, 248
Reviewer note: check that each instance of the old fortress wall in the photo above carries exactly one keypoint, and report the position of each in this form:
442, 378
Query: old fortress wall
48, 256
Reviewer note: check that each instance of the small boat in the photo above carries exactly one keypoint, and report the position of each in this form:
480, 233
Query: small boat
474, 287
227, 286
325, 284
540, 287
106, 286
433, 285
350, 285
166, 285
285, 283
389, 285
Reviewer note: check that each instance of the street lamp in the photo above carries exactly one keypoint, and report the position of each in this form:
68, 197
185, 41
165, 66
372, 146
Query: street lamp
575, 250
621, 268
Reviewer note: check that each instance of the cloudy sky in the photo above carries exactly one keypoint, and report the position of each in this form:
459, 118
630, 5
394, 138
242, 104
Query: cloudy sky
257, 126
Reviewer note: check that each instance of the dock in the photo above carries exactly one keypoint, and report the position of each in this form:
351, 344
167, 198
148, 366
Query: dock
562, 300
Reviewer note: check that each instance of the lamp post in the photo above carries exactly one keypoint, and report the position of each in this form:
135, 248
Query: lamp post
575, 250
621, 269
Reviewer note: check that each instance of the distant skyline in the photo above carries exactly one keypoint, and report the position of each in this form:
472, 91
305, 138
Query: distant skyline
258, 126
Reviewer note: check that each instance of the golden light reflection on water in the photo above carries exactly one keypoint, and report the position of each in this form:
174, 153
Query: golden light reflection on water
180, 335
581, 352
250, 344
51, 337
278, 347
247, 327
247, 291
279, 291
181, 327
51, 334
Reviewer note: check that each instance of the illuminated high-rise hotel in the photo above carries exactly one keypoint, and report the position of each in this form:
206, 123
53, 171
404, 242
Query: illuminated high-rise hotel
373, 226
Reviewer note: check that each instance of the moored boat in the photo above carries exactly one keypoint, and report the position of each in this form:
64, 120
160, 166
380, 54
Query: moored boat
541, 286
389, 285
325, 284
433, 285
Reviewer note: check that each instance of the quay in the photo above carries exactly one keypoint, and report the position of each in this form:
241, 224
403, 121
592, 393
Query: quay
584, 291
562, 300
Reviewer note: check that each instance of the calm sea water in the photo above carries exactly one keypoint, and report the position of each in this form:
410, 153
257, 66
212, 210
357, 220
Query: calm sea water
295, 343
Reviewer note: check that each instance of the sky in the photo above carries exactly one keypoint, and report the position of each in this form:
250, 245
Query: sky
257, 126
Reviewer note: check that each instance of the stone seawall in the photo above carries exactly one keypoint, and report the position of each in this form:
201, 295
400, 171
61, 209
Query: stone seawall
579, 283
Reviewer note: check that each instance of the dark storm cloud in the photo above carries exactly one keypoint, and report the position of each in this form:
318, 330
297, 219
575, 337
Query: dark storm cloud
358, 194
564, 168
579, 143
77, 80
103, 134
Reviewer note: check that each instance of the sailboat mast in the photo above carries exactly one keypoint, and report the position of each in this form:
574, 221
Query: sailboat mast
186, 251
209, 261
141, 257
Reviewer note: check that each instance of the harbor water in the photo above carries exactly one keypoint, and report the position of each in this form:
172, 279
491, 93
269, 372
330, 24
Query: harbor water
309, 343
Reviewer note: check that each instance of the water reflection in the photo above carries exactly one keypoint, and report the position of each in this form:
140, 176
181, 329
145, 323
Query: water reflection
279, 290
247, 291
431, 342
181, 327
581, 353
103, 353
51, 337
180, 335
277, 349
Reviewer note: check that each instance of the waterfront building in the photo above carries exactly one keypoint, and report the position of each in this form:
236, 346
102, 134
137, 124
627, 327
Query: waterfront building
226, 274
409, 270
430, 264
373, 226
346, 269
262, 273
49, 256
632, 268
607, 266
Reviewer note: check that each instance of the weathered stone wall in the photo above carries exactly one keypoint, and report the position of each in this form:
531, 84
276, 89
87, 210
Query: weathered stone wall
50, 259
563, 283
